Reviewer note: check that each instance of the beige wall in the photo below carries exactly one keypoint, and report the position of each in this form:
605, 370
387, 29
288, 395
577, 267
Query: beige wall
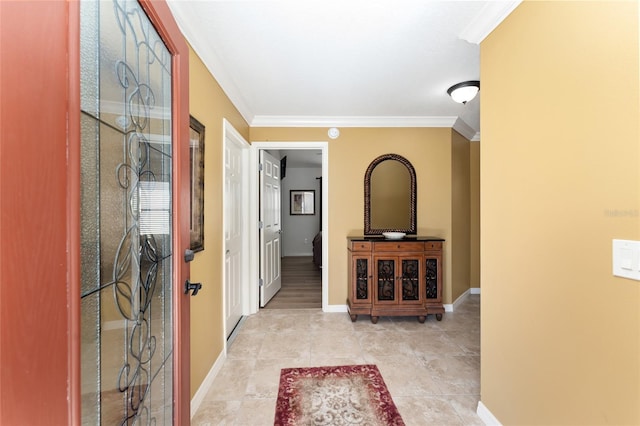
428, 149
440, 157
560, 178
474, 219
209, 104
460, 215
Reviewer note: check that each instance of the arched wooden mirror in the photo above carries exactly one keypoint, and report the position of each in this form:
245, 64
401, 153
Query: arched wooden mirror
390, 196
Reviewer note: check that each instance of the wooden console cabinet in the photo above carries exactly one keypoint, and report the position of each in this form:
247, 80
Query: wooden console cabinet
395, 277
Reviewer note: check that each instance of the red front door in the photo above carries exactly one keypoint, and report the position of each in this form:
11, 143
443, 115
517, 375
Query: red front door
43, 246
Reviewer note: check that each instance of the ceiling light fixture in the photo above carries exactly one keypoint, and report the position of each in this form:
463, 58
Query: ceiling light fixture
465, 91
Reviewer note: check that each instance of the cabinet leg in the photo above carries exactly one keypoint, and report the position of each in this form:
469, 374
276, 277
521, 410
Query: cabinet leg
374, 319
439, 317
421, 319
354, 317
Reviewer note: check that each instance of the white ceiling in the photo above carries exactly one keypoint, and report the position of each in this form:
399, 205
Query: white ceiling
343, 63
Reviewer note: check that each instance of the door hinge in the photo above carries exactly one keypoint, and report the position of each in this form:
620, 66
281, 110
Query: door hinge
260, 225
261, 282
260, 167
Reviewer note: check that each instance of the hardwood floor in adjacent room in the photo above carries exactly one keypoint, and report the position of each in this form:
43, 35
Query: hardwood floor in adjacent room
301, 285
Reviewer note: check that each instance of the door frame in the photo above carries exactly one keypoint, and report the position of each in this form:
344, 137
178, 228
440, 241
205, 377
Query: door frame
39, 224
254, 248
230, 132
166, 26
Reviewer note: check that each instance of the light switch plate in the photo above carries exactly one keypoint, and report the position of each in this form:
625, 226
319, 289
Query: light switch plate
626, 259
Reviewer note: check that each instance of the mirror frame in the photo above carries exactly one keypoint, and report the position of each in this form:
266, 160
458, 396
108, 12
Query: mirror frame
368, 230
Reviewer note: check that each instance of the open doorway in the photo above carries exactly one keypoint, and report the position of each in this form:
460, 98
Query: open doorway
299, 228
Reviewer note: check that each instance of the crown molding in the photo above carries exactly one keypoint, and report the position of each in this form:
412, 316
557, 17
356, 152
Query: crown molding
349, 121
455, 123
212, 62
489, 17
465, 130
226, 83
492, 12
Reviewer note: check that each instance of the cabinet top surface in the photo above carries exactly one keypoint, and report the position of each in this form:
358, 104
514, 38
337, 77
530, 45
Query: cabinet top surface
382, 238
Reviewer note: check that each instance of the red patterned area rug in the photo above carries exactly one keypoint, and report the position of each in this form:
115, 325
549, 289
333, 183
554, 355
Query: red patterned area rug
336, 396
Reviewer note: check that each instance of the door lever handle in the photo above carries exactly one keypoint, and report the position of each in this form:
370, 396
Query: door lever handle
189, 286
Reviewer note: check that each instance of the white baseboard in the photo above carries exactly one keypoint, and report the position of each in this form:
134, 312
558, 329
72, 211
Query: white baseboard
198, 397
450, 307
486, 416
335, 308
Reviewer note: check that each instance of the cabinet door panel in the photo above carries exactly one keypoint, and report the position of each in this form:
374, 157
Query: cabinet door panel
361, 279
432, 265
410, 280
385, 280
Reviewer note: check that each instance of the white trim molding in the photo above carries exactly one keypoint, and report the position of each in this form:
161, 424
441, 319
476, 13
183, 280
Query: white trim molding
487, 416
211, 61
461, 299
350, 121
450, 307
489, 17
465, 130
455, 123
206, 384
447, 307
335, 308
254, 246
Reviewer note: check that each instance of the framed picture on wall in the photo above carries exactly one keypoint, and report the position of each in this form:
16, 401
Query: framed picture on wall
302, 202
196, 168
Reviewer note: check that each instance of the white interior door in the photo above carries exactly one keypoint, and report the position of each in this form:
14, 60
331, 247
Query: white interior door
270, 241
234, 208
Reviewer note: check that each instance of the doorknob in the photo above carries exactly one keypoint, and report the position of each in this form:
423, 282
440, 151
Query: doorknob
188, 255
188, 286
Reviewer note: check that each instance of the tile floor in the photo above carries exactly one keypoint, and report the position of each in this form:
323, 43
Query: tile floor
432, 370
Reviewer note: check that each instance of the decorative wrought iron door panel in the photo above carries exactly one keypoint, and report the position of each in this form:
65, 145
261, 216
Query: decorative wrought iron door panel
386, 280
362, 279
410, 279
126, 217
431, 278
